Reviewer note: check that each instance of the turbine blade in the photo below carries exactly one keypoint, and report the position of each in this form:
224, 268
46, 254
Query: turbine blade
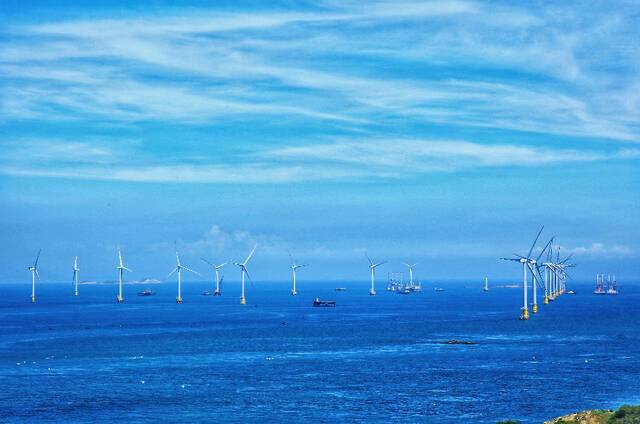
369, 259
566, 259
35, 264
124, 267
204, 260
221, 265
190, 270
37, 274
545, 248
172, 272
534, 242
250, 255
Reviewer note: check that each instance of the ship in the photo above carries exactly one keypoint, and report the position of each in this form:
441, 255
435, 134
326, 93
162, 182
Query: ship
341, 289
323, 303
146, 292
608, 286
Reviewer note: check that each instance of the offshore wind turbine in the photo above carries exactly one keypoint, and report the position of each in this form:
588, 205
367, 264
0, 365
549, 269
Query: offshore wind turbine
526, 263
179, 268
121, 268
294, 268
75, 276
216, 268
373, 266
243, 268
34, 274
410, 271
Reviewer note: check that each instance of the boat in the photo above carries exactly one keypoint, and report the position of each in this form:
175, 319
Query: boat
341, 289
439, 289
207, 293
146, 292
324, 303
571, 292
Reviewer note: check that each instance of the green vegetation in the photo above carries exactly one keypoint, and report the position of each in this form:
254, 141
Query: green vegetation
626, 414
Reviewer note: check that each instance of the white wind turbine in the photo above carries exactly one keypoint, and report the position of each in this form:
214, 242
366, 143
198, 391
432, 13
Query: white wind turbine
410, 271
526, 262
216, 268
294, 268
75, 276
243, 268
34, 274
373, 266
121, 268
179, 268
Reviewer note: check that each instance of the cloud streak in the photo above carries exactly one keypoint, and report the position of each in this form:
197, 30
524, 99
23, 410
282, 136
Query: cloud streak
500, 68
337, 161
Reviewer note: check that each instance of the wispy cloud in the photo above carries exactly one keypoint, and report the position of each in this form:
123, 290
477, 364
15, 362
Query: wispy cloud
601, 250
335, 161
463, 64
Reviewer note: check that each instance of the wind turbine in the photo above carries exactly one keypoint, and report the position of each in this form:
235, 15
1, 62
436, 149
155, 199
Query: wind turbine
410, 272
526, 262
121, 269
294, 267
216, 268
243, 268
373, 267
75, 276
178, 268
34, 274
486, 284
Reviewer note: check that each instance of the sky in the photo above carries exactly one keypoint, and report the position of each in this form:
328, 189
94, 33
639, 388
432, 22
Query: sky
442, 133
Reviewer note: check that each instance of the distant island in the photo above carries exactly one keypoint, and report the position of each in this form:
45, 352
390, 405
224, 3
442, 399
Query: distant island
626, 414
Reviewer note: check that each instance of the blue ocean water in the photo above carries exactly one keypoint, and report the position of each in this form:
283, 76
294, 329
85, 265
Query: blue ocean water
278, 359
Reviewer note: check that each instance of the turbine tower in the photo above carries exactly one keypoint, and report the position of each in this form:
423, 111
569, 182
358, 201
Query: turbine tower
294, 267
410, 272
243, 268
179, 268
486, 284
216, 268
34, 274
121, 268
75, 276
373, 267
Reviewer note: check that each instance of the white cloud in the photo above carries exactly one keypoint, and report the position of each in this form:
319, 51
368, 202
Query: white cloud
320, 64
337, 161
600, 249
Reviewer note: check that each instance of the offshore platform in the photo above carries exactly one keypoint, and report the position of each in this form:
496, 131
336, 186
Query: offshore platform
606, 286
395, 283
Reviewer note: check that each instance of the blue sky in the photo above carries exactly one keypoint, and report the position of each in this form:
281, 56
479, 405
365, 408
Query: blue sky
443, 133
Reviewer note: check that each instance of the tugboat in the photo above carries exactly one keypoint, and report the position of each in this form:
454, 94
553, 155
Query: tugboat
146, 292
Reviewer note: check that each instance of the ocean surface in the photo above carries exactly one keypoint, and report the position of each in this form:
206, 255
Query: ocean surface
278, 359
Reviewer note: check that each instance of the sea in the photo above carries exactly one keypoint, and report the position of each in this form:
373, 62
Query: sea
383, 358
